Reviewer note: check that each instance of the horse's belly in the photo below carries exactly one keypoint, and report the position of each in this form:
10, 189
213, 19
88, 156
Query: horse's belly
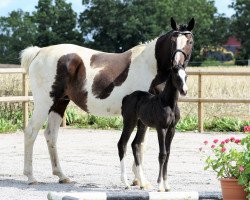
105, 107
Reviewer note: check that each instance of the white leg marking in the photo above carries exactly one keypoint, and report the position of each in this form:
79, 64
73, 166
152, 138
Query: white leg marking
30, 134
166, 185
51, 134
143, 182
161, 186
124, 177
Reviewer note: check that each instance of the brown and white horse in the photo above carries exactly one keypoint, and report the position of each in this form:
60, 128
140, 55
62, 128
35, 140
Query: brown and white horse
95, 81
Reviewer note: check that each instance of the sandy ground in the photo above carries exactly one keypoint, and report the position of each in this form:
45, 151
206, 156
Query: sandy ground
90, 159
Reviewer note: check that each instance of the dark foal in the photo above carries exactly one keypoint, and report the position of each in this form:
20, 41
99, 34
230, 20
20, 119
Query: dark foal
159, 111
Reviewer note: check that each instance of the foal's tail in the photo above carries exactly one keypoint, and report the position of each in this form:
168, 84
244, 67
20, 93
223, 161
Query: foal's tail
27, 56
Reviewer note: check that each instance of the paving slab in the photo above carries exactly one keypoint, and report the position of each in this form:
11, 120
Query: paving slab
90, 159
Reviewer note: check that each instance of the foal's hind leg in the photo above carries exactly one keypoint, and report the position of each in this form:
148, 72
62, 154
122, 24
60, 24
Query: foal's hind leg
51, 133
128, 127
38, 118
168, 141
137, 146
141, 131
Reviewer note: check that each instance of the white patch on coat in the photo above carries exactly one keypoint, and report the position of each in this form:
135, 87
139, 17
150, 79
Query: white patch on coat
182, 74
180, 44
142, 62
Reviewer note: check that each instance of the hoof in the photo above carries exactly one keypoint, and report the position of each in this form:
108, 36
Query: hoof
33, 182
161, 190
127, 187
65, 181
146, 186
167, 189
136, 182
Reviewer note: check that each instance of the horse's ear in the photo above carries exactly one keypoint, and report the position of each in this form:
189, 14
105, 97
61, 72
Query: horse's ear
173, 24
191, 25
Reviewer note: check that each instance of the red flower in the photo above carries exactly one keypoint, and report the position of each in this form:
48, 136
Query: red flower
223, 149
205, 142
227, 140
213, 146
216, 140
246, 128
222, 143
241, 168
237, 141
232, 139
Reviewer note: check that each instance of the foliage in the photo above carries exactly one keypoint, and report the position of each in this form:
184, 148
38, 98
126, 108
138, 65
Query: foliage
91, 121
49, 24
240, 24
187, 124
225, 124
118, 25
56, 23
126, 23
16, 32
229, 158
11, 118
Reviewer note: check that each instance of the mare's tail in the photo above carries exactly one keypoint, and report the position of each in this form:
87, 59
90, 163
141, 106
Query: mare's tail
27, 56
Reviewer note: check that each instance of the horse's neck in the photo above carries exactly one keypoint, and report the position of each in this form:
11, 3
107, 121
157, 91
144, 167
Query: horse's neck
169, 96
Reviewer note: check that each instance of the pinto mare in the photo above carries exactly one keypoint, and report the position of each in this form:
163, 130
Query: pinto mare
95, 81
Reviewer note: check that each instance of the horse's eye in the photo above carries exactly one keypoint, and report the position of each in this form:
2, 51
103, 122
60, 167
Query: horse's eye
190, 42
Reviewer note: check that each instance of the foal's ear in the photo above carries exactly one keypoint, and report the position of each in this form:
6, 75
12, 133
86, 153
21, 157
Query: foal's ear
191, 25
173, 24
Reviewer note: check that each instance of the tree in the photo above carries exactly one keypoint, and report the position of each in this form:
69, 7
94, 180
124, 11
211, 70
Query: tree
241, 25
17, 31
56, 23
118, 25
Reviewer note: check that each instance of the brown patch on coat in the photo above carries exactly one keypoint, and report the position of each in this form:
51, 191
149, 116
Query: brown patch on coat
115, 68
69, 83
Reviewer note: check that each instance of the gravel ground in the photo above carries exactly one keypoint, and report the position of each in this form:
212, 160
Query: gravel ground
90, 159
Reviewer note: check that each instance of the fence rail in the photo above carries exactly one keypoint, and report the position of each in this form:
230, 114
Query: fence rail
25, 99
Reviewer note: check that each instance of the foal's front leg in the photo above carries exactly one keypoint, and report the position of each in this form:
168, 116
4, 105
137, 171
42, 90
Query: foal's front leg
168, 141
162, 156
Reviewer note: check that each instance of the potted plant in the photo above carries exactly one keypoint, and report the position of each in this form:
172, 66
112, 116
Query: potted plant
230, 159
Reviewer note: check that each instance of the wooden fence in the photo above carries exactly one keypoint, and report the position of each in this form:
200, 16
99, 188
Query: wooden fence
200, 100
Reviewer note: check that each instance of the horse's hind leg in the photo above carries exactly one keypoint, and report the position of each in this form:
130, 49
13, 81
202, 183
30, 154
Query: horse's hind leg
141, 131
38, 118
128, 127
54, 120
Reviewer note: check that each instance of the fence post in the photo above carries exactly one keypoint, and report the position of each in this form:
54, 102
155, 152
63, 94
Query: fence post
26, 103
200, 104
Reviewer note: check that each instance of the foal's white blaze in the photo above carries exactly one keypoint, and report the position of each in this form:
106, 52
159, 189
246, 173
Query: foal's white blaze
183, 74
180, 44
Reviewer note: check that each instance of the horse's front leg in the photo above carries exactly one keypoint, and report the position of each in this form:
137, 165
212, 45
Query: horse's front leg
50, 134
162, 157
168, 141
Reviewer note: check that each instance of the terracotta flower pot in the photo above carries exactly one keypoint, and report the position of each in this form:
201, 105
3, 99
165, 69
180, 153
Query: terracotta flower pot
231, 190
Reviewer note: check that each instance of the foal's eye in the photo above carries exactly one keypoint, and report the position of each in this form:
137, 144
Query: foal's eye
190, 42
